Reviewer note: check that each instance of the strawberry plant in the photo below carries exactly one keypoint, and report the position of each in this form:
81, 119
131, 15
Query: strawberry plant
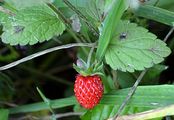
92, 59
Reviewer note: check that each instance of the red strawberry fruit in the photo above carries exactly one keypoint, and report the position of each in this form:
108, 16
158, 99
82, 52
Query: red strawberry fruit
88, 90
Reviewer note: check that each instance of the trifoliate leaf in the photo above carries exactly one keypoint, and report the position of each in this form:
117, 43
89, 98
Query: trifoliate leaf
134, 48
32, 25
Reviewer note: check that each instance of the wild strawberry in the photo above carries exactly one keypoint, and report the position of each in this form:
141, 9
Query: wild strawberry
88, 90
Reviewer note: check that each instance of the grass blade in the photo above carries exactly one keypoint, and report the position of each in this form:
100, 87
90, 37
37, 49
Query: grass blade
156, 13
59, 103
110, 24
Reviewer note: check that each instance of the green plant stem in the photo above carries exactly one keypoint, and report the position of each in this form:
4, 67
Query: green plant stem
76, 36
81, 15
90, 56
64, 20
47, 101
10, 65
150, 114
60, 115
64, 115
8, 104
130, 94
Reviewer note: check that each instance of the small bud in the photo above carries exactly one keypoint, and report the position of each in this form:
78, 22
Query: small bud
76, 25
81, 64
134, 4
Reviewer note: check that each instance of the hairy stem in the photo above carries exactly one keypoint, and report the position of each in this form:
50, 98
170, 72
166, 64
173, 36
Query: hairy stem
168, 35
76, 36
60, 115
81, 15
90, 56
10, 65
130, 94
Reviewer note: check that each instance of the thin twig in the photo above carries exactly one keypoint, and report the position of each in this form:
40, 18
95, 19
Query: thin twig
168, 35
81, 15
8, 104
47, 102
5, 67
132, 91
64, 20
56, 10
27, 117
150, 114
61, 115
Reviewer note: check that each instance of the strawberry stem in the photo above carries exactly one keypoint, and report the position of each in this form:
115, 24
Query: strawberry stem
90, 56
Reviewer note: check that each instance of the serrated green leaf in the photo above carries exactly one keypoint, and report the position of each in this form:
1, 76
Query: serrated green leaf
95, 9
4, 114
76, 3
3, 18
32, 25
134, 48
145, 98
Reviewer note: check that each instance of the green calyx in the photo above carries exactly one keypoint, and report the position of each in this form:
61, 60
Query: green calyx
88, 70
